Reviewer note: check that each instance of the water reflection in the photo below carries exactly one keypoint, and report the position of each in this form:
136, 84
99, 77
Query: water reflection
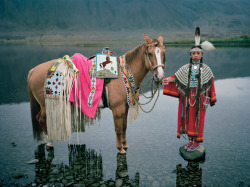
85, 168
23, 57
191, 175
121, 175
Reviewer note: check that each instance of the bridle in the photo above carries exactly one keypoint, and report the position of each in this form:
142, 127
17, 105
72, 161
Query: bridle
147, 59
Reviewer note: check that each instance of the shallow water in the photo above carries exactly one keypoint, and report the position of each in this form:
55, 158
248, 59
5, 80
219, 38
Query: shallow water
153, 156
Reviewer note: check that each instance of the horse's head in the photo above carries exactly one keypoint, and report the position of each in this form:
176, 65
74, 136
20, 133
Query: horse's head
155, 56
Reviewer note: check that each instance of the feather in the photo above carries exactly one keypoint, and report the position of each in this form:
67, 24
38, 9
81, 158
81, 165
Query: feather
197, 37
207, 46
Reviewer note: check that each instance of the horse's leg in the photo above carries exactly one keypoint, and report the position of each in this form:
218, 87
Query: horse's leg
41, 118
119, 116
124, 128
36, 78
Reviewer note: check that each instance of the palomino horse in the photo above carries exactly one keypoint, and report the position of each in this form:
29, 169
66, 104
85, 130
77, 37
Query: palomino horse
149, 56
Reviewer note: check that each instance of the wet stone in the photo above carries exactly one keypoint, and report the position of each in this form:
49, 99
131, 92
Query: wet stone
79, 185
118, 182
69, 177
18, 175
103, 185
95, 185
64, 181
123, 174
55, 171
197, 154
111, 183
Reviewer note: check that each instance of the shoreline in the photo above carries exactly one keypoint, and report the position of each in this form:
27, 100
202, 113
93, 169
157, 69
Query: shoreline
100, 43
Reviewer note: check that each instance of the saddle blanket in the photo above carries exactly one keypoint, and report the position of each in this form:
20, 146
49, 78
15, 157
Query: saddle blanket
89, 89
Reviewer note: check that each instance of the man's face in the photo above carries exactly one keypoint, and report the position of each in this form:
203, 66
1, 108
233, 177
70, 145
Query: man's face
196, 55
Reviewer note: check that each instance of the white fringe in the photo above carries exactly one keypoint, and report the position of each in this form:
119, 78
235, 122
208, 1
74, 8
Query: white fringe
133, 113
58, 109
61, 116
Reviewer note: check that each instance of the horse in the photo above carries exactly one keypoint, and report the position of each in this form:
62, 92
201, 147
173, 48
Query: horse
149, 56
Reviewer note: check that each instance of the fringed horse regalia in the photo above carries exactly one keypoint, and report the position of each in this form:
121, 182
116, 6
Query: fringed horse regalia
194, 86
64, 85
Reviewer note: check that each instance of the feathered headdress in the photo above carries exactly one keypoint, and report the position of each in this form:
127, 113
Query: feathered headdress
208, 46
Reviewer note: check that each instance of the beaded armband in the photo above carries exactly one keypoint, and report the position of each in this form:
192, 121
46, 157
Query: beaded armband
206, 101
165, 81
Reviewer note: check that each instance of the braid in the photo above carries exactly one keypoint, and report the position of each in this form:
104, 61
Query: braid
188, 92
197, 97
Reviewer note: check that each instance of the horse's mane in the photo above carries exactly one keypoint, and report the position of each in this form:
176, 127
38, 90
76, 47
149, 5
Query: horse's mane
130, 55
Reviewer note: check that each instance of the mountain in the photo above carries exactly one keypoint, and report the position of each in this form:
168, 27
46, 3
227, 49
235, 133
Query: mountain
216, 18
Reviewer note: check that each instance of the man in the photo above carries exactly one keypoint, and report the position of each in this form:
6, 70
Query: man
193, 84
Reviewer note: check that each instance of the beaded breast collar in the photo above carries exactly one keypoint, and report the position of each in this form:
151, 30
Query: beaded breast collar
129, 83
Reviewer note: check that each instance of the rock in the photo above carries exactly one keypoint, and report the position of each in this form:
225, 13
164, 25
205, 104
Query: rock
118, 182
123, 174
64, 181
52, 180
69, 177
199, 153
33, 161
103, 185
13, 144
18, 175
55, 171
79, 185
111, 183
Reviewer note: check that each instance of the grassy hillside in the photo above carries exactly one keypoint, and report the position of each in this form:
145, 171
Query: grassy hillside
66, 19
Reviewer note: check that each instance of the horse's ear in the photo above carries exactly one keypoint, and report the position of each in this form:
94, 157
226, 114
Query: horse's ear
160, 39
147, 39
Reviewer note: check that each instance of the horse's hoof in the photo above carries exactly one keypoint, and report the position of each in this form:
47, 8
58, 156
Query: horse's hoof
125, 146
122, 151
49, 146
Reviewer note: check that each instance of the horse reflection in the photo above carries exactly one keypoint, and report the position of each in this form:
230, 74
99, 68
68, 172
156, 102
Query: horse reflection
122, 176
85, 167
189, 176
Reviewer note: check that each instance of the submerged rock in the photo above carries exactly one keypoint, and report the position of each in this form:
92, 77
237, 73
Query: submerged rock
118, 182
199, 153
18, 175
33, 161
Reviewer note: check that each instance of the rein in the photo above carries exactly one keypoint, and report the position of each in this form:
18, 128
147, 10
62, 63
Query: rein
153, 92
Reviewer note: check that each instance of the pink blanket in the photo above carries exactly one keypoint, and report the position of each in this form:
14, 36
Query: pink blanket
83, 64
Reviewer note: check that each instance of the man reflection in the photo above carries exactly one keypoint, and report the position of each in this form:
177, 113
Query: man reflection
189, 176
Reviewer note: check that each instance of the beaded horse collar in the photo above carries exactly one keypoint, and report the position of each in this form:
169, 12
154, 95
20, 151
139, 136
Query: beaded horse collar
129, 83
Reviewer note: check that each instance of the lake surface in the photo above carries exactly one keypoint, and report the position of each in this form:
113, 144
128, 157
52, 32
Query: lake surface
153, 156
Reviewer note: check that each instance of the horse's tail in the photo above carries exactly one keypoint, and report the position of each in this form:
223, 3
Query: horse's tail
35, 109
